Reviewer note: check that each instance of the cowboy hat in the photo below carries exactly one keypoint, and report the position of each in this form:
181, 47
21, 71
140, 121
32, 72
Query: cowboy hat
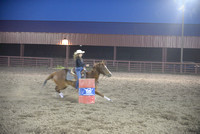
79, 51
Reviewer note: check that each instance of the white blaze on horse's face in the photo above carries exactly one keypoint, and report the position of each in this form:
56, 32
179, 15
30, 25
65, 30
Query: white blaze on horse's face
106, 71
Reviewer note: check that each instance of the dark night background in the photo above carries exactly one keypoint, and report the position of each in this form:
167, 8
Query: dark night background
141, 11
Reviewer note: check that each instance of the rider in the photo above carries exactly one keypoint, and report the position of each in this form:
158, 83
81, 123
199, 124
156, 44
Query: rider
79, 65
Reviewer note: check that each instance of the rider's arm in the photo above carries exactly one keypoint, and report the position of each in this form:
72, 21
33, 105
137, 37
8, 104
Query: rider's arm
79, 63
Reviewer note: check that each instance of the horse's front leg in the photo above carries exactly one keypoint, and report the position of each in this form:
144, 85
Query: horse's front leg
100, 94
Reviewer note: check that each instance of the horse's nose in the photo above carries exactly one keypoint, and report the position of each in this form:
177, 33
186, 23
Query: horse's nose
109, 75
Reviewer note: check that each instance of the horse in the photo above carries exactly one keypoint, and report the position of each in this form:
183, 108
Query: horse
59, 77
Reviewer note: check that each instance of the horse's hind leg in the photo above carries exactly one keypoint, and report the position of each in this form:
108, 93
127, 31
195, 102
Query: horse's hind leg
58, 90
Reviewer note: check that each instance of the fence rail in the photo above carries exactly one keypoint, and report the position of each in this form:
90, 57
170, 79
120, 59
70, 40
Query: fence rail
113, 65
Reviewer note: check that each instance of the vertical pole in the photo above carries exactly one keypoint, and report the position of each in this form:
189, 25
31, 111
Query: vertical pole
182, 35
114, 55
196, 69
117, 67
36, 62
51, 63
164, 58
22, 54
67, 55
21, 50
129, 66
8, 61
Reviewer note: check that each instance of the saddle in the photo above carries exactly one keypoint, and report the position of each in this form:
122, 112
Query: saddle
71, 75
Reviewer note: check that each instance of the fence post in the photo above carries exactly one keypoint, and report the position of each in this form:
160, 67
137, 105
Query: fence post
22, 61
51, 63
129, 66
174, 68
181, 69
185, 69
36, 62
196, 69
93, 62
117, 67
8, 61
163, 67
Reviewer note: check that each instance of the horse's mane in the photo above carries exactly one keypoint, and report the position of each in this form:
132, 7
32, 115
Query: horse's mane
96, 66
95, 70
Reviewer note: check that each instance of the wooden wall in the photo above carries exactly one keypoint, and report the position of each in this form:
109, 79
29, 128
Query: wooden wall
100, 39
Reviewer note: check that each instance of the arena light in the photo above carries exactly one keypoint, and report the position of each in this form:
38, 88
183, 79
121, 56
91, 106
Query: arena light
64, 41
182, 8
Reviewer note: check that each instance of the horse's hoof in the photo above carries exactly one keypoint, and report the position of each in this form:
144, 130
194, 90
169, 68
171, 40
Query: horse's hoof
61, 95
107, 98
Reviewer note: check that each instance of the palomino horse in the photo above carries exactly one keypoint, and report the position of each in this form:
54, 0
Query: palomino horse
59, 78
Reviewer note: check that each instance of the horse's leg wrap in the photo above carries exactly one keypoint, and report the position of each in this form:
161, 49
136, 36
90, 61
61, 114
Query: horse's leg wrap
107, 98
61, 94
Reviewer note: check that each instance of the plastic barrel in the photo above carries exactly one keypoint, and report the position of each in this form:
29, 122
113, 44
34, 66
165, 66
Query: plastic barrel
87, 91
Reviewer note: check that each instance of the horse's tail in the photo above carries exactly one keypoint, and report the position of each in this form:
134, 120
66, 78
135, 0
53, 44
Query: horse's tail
48, 78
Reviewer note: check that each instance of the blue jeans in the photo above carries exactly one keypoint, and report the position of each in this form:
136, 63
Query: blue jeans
78, 73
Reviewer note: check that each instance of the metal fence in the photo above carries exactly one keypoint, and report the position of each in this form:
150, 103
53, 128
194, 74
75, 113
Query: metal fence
113, 65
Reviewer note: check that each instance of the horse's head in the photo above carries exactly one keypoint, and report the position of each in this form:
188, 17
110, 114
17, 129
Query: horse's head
102, 69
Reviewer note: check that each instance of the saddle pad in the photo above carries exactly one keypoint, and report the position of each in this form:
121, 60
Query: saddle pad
70, 77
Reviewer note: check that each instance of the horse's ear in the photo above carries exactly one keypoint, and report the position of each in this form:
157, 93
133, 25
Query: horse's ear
94, 64
103, 61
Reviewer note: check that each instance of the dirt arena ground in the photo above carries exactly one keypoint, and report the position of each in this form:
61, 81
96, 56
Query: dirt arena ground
142, 104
